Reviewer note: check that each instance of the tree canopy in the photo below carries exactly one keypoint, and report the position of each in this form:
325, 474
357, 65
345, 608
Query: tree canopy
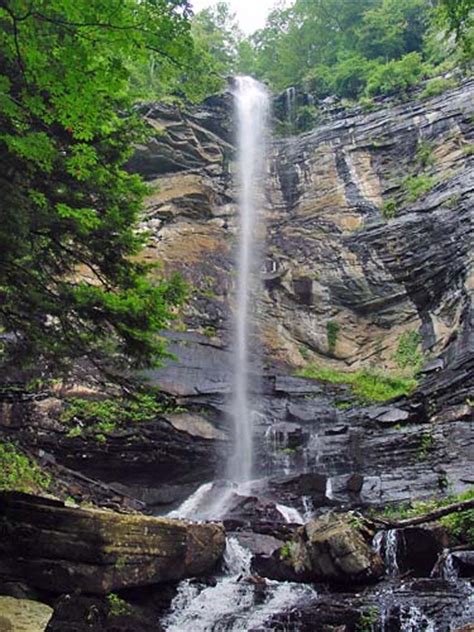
71, 283
353, 49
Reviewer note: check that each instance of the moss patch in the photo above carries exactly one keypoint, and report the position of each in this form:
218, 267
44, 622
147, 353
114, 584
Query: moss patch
18, 472
102, 417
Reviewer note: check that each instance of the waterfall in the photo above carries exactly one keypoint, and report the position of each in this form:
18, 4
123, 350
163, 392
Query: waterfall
291, 108
387, 544
252, 109
234, 603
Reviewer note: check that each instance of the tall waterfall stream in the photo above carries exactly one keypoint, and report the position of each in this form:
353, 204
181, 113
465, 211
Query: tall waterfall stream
252, 110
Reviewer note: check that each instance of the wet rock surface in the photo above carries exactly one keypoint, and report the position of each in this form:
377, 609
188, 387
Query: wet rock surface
347, 252
331, 548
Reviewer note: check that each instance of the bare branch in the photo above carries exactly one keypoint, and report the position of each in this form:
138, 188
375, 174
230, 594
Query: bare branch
427, 517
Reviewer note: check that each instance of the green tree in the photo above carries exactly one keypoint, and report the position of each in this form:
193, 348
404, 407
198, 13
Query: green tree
457, 16
393, 29
351, 48
216, 32
71, 282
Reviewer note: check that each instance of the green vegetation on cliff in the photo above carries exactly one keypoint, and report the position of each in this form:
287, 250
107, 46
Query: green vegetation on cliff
349, 49
368, 386
18, 472
100, 417
460, 524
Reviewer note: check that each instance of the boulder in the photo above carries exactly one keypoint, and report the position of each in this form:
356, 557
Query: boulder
258, 543
83, 613
195, 425
338, 549
24, 615
332, 548
420, 549
61, 549
464, 563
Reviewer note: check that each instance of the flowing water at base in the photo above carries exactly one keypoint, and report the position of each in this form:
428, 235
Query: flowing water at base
236, 603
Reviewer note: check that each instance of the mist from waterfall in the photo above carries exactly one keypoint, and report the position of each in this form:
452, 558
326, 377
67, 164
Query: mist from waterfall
252, 106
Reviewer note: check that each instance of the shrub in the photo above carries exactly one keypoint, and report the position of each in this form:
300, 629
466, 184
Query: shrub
307, 117
389, 209
415, 187
395, 75
332, 329
367, 104
349, 76
461, 524
426, 445
424, 154
19, 473
468, 150
118, 606
367, 619
408, 354
436, 86
287, 550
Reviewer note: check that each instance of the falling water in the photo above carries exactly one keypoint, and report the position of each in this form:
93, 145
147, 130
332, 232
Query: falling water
231, 605
387, 545
252, 108
291, 107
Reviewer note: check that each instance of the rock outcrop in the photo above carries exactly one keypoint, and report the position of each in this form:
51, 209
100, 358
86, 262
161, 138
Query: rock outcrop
60, 549
369, 227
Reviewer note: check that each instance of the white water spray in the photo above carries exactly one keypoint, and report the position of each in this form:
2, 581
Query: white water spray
252, 109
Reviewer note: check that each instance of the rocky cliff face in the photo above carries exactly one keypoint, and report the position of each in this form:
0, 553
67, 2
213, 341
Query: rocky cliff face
369, 236
369, 227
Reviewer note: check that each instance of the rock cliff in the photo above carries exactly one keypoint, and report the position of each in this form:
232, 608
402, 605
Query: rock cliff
369, 227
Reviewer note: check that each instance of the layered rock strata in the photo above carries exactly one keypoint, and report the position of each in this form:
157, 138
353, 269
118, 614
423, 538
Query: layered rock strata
369, 227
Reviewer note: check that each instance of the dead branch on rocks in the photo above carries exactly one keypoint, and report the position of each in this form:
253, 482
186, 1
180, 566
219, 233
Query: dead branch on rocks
427, 517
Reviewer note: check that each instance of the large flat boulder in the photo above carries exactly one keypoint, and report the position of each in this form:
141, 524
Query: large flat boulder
24, 615
62, 549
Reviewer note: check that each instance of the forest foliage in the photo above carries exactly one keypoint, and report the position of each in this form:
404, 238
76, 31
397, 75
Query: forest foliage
71, 283
344, 48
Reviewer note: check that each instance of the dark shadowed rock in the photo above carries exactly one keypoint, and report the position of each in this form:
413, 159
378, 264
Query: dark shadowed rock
464, 563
